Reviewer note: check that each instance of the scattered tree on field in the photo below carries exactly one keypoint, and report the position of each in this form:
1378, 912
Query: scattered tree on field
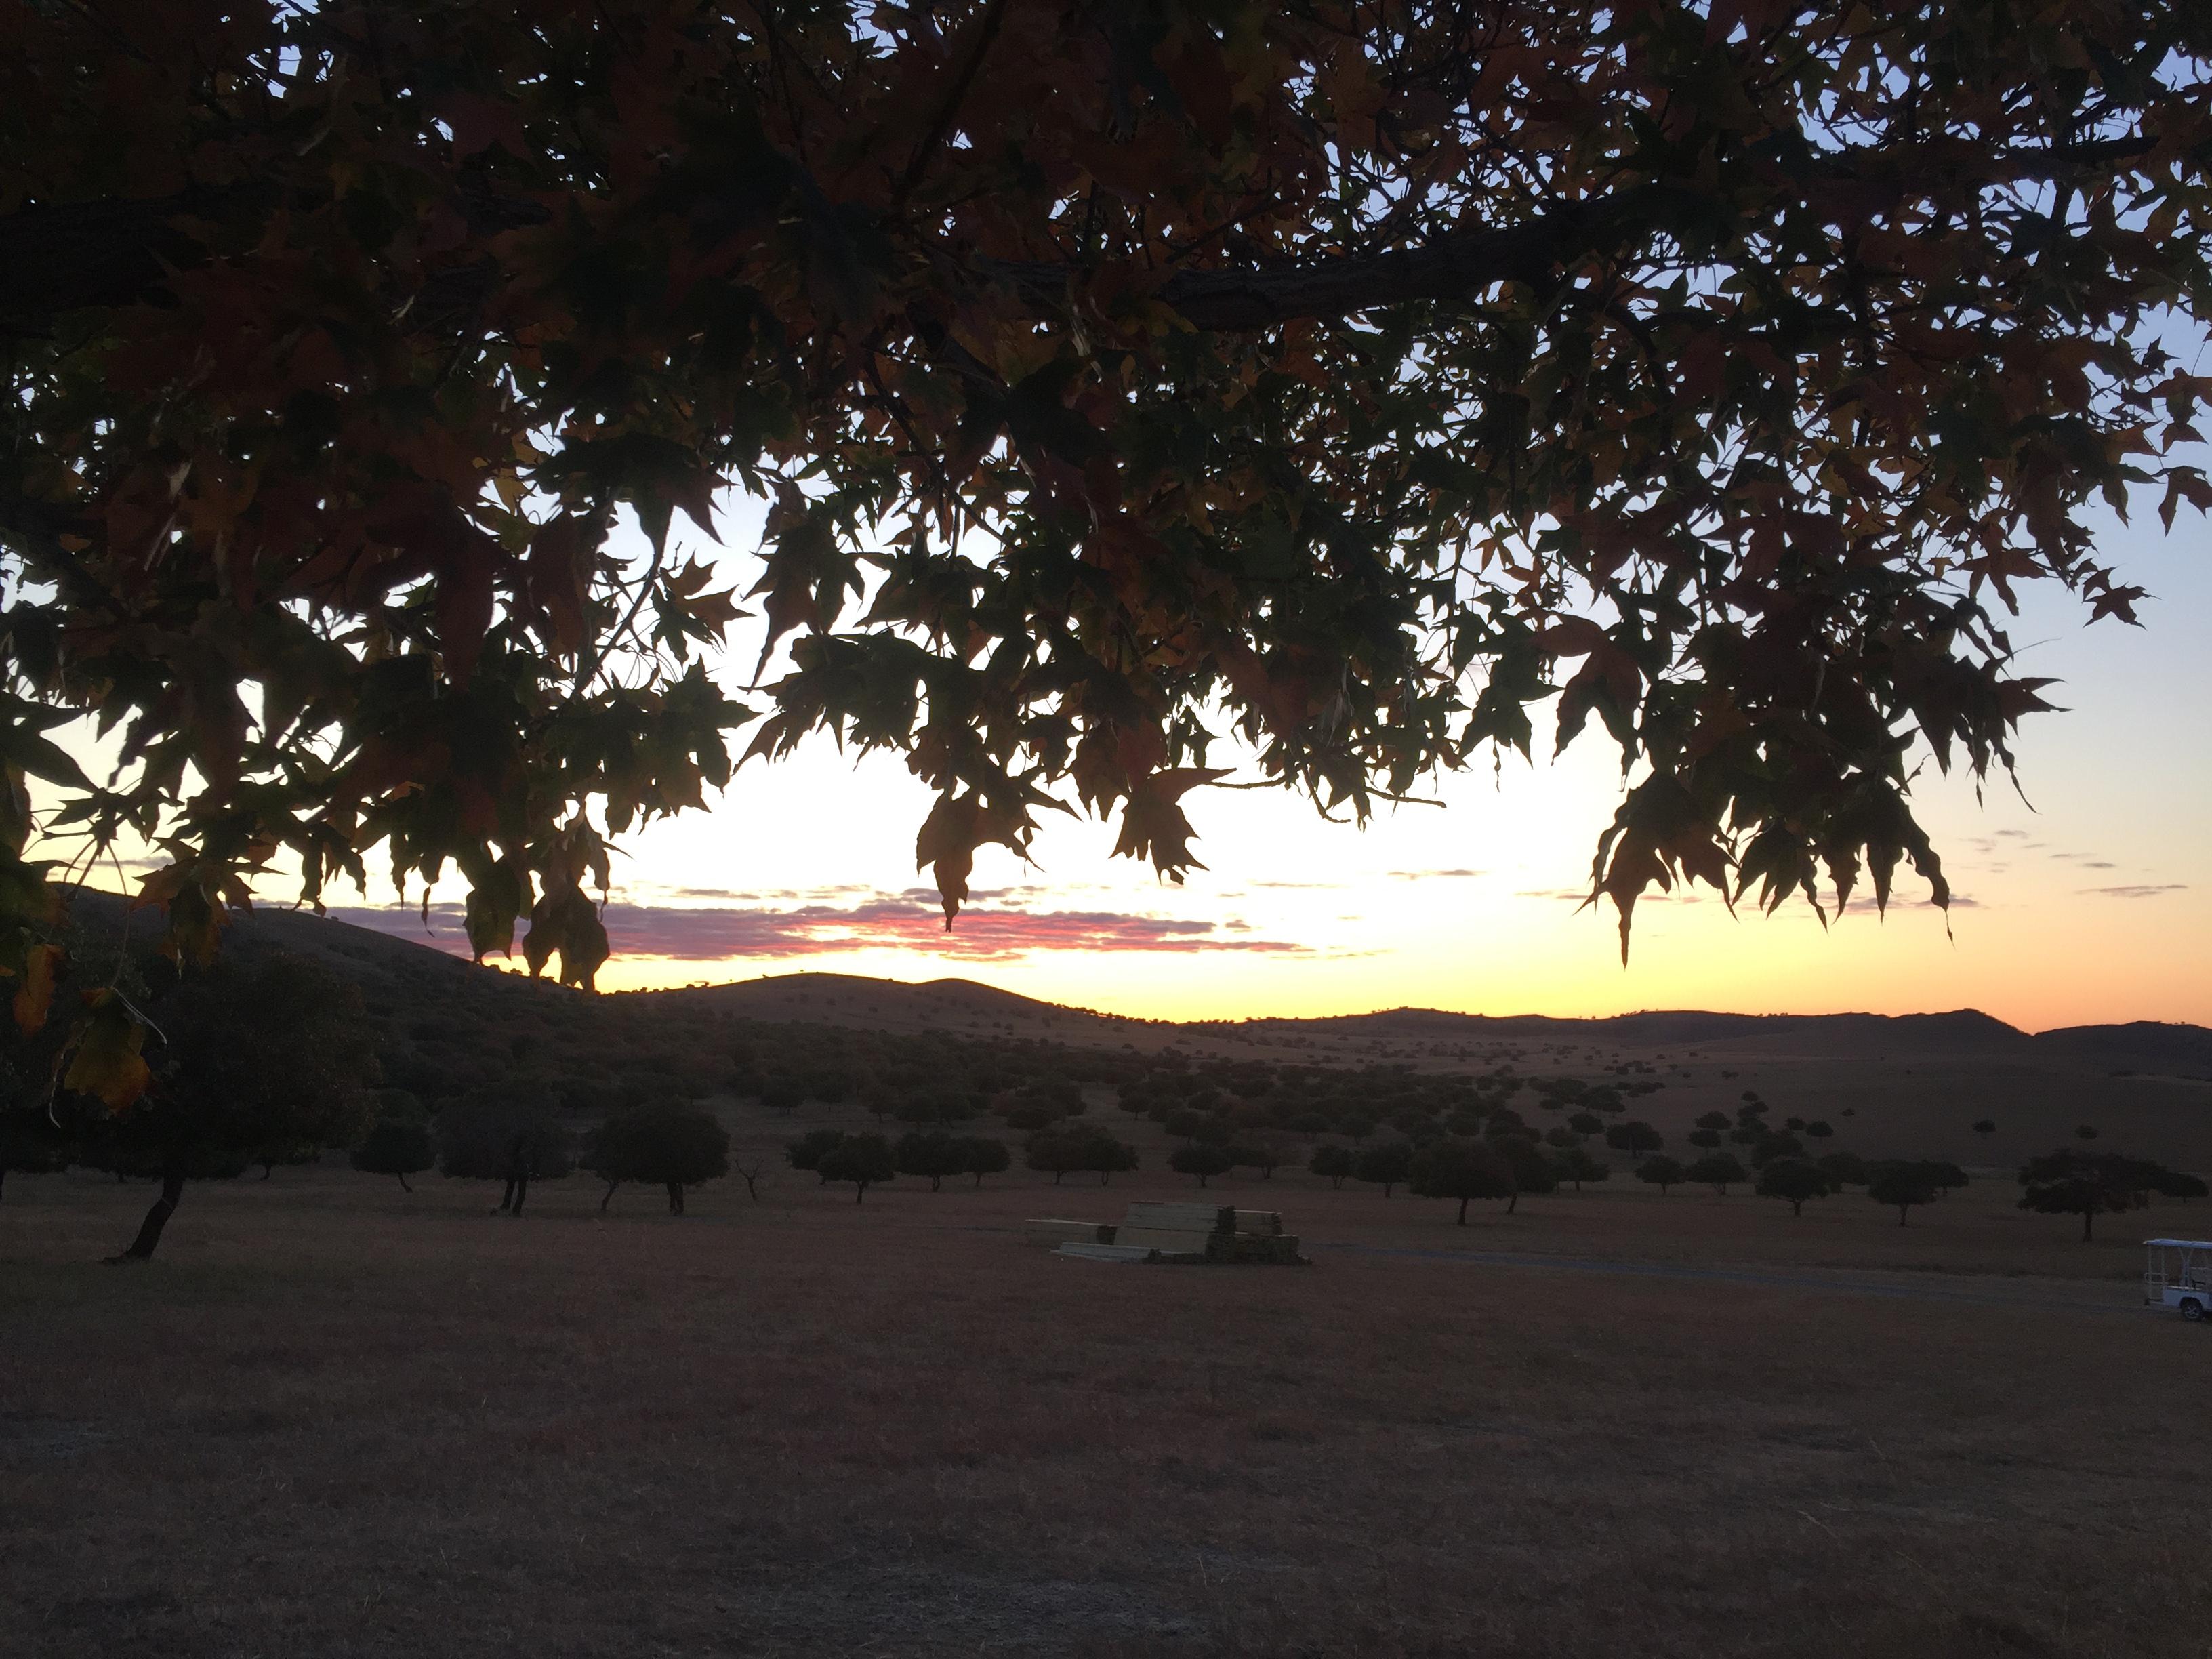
1534, 1173
1067, 1148
507, 1135
1383, 1164
1333, 1163
1462, 1168
1262, 1153
809, 1149
273, 1052
981, 1155
1575, 1164
2087, 1184
1985, 1126
1793, 1182
1843, 1170
2085, 1132
394, 1146
1662, 1172
1944, 1175
1718, 1171
669, 1145
1775, 1148
1820, 1129
1717, 1121
1634, 1136
1586, 1123
2174, 1184
32, 1141
930, 1155
865, 1160
1200, 1160
1902, 1183
752, 1171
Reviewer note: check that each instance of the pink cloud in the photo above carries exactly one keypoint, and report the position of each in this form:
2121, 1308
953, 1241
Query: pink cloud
909, 921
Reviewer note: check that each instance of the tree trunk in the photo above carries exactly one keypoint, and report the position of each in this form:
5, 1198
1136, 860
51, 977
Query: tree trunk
268, 1169
676, 1198
1796, 1206
1513, 1200
1463, 1213
404, 1187
2088, 1216
3, 1178
1903, 1210
506, 1198
610, 1197
521, 1191
149, 1230
860, 1191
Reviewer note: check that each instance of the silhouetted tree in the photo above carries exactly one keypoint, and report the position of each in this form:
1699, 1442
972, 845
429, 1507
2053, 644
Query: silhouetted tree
864, 1160
809, 1149
1661, 1172
259, 1053
669, 1145
2086, 1184
1575, 1164
1634, 1136
1333, 1163
1462, 1168
1718, 1171
504, 1134
1793, 1182
1067, 1148
1902, 1183
1384, 1165
1200, 1160
1534, 1173
930, 1156
2174, 1184
1843, 1170
1986, 1125
981, 1155
394, 1146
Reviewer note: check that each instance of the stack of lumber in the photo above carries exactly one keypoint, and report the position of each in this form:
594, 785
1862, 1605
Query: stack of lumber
1068, 1232
1260, 1238
1107, 1252
1200, 1230
1189, 1233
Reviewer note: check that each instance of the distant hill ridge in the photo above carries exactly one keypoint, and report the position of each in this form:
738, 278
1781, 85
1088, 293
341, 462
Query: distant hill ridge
2141, 1045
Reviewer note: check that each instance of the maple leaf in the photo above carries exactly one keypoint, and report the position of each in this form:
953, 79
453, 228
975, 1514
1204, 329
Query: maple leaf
1153, 825
105, 1061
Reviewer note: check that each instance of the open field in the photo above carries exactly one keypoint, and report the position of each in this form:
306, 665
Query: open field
333, 1418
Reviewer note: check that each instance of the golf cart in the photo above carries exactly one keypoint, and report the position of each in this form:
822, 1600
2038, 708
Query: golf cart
2179, 1274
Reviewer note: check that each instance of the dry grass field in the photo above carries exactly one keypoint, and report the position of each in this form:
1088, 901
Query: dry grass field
334, 1419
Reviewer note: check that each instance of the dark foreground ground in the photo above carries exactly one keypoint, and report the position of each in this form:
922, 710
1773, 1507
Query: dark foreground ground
333, 1420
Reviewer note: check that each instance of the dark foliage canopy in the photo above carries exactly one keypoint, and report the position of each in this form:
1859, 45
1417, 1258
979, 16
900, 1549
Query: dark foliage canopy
1344, 381
663, 1145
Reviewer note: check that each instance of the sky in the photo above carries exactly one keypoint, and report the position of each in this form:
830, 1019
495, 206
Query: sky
2079, 899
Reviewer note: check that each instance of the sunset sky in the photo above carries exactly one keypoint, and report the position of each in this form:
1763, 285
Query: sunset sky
2085, 902
2089, 905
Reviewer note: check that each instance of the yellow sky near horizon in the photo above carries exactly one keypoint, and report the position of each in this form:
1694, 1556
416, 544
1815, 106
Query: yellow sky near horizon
2089, 908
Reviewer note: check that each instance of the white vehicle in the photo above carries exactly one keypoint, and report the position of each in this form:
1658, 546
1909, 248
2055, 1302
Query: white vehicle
2179, 1274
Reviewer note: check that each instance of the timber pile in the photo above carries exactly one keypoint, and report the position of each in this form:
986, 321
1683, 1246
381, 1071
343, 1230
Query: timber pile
1068, 1232
1182, 1233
